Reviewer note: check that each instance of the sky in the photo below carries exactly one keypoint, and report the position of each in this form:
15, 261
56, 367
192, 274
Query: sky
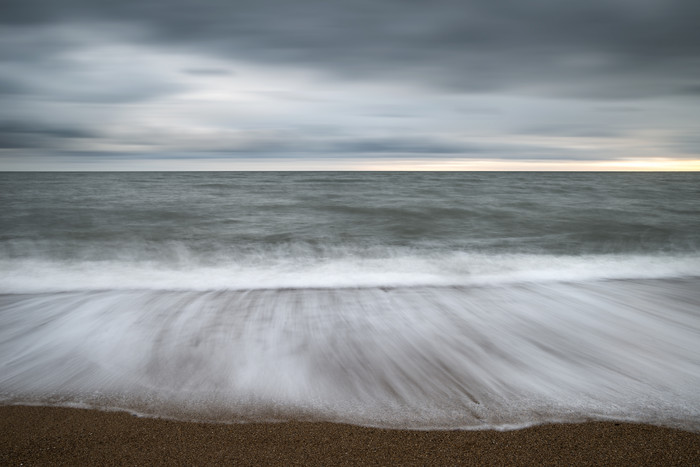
349, 85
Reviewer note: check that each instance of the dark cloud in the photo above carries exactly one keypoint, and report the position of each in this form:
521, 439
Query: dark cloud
598, 48
394, 147
692, 90
73, 82
12, 86
17, 134
49, 62
400, 146
208, 72
585, 130
620, 109
274, 146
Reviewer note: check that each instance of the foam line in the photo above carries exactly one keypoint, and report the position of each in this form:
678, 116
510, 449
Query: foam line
394, 269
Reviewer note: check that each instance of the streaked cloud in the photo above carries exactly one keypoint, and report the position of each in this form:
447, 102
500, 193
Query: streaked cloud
540, 80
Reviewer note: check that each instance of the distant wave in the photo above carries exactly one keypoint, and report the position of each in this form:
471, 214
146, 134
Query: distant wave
395, 269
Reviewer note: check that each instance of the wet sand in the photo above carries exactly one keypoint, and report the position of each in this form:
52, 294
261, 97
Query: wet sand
46, 436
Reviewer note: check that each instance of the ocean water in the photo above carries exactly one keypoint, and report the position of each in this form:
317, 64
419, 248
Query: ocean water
416, 300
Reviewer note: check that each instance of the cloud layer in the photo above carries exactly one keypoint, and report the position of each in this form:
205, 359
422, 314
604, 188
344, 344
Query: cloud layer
511, 80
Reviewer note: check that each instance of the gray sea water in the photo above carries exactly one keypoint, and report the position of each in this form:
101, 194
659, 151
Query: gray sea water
419, 300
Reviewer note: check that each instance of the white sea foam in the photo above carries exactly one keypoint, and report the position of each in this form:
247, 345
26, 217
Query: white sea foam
472, 357
396, 269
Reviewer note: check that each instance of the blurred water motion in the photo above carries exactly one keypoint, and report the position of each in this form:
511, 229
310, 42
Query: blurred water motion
447, 357
391, 299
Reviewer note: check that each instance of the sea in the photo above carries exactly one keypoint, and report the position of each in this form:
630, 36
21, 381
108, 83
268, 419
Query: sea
419, 300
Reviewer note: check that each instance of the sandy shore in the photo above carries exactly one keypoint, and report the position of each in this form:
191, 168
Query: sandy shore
42, 436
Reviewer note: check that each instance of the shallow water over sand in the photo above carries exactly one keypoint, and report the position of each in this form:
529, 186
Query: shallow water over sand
475, 357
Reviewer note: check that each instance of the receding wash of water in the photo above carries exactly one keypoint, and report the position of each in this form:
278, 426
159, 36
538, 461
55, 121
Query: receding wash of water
415, 300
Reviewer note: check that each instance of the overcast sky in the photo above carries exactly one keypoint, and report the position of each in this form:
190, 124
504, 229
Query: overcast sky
360, 84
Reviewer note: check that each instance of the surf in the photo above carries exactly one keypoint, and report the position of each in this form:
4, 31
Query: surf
332, 268
475, 357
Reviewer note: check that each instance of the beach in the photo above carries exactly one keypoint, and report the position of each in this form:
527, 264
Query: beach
52, 436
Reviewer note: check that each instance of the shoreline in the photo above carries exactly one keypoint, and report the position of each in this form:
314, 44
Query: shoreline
39, 435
